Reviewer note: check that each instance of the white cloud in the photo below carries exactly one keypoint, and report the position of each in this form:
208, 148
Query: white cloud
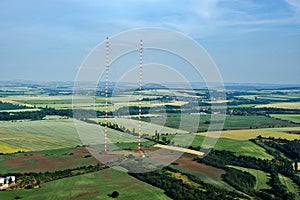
295, 4
197, 18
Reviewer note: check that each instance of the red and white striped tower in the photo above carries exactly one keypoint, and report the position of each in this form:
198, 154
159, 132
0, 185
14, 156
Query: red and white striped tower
140, 95
106, 93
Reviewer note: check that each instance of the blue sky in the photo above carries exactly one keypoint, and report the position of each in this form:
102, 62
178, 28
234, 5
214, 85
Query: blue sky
251, 41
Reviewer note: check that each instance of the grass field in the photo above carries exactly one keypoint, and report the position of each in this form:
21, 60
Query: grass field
60, 133
242, 106
253, 133
172, 148
6, 148
261, 177
290, 117
286, 105
58, 101
48, 160
271, 96
116, 105
56, 133
291, 187
240, 147
165, 92
146, 128
85, 102
245, 122
21, 110
91, 186
12, 101
204, 177
206, 173
233, 122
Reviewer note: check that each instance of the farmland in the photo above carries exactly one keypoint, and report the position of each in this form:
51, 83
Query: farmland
240, 147
253, 133
57, 141
286, 105
6, 148
206, 173
188, 164
289, 117
66, 102
261, 177
291, 187
244, 147
179, 149
54, 133
268, 95
231, 122
42, 101
47, 160
91, 186
147, 128
9, 106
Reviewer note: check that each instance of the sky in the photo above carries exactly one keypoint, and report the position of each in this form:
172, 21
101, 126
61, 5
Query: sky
251, 41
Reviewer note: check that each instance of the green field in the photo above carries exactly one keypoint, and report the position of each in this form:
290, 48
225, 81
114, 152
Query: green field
56, 133
58, 101
290, 117
206, 173
291, 187
206, 179
60, 133
286, 133
146, 128
48, 160
242, 106
9, 106
269, 96
59, 143
166, 92
286, 105
245, 122
233, 122
85, 102
21, 110
240, 147
261, 177
115, 105
91, 186
6, 148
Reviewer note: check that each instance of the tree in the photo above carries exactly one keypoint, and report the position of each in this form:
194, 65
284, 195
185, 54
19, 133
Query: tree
10, 181
115, 194
164, 139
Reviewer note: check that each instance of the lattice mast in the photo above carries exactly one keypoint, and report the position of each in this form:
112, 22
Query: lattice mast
106, 92
140, 95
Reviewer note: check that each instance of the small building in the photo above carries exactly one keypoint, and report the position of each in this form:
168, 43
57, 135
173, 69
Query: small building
2, 181
199, 113
7, 180
12, 178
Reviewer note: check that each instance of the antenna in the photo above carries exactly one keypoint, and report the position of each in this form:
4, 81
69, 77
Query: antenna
106, 93
140, 97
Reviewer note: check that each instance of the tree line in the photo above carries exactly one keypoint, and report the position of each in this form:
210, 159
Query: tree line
177, 189
10, 106
35, 180
221, 159
290, 148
